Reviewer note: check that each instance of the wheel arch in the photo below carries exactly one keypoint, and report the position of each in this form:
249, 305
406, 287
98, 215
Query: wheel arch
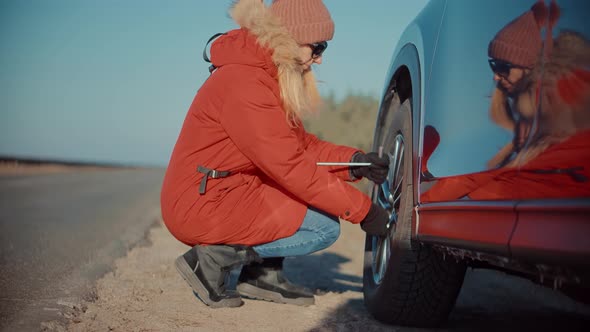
405, 78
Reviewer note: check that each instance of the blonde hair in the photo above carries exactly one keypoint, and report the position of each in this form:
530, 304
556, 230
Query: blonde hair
298, 89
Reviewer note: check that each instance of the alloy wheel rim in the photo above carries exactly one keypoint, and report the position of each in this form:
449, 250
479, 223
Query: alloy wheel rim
388, 196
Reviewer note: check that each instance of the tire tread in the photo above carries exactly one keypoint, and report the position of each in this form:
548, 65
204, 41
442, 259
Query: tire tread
428, 292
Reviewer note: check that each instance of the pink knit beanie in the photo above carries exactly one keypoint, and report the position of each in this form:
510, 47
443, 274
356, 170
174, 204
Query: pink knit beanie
520, 41
308, 21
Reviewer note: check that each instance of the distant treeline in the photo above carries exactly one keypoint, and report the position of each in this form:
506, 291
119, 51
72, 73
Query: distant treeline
12, 160
348, 121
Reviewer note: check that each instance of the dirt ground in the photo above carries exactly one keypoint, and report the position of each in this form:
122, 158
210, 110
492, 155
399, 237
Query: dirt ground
145, 293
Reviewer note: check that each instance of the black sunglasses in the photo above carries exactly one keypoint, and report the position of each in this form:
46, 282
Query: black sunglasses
501, 67
317, 49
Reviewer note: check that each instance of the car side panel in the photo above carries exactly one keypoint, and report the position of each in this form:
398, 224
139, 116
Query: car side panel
553, 232
477, 226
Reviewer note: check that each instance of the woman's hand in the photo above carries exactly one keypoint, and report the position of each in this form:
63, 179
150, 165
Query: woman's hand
376, 220
376, 172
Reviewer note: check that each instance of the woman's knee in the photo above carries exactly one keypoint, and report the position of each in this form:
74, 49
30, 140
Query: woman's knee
330, 232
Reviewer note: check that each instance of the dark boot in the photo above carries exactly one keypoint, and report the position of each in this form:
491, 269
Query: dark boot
206, 269
265, 281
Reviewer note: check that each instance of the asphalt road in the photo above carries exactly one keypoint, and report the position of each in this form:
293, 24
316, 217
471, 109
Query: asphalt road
60, 232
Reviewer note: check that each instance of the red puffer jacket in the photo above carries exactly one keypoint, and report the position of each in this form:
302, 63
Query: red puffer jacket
236, 123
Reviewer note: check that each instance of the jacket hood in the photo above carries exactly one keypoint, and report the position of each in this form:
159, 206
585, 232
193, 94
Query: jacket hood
263, 41
241, 47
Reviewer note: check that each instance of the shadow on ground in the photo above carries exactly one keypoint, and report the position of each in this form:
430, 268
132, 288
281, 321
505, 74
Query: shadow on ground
489, 301
326, 276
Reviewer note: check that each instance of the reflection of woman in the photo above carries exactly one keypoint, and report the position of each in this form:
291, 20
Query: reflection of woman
531, 99
561, 171
242, 182
514, 54
543, 95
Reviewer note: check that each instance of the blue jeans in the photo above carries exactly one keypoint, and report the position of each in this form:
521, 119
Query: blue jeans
318, 231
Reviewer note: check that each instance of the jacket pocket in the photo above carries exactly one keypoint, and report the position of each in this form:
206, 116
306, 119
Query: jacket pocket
226, 185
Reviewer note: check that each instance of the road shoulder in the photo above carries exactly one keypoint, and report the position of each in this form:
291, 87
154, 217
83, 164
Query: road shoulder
144, 292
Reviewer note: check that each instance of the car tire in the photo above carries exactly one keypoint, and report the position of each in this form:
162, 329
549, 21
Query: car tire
405, 282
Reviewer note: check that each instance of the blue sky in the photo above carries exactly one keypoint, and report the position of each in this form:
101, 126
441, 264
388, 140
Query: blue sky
111, 81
